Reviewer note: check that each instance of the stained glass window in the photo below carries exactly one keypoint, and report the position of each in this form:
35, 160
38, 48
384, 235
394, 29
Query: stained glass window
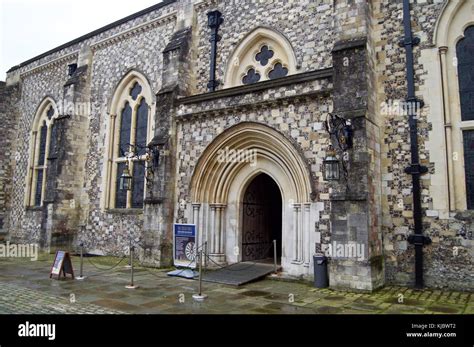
120, 195
125, 128
278, 71
44, 128
42, 144
39, 187
50, 113
133, 139
264, 56
251, 77
469, 166
142, 128
465, 55
136, 90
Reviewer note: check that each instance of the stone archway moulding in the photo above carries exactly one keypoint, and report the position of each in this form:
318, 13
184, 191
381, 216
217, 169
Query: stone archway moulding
218, 186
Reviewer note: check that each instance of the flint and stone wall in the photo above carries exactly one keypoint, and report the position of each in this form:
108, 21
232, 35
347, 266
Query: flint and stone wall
356, 40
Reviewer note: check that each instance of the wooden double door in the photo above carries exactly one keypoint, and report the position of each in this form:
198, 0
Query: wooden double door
262, 219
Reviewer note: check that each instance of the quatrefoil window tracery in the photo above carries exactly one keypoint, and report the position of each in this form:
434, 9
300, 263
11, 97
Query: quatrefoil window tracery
251, 77
264, 56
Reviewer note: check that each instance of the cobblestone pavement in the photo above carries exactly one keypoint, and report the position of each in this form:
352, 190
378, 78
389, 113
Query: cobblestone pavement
25, 287
18, 300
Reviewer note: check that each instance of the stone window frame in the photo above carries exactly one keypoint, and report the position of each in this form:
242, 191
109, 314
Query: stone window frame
244, 56
452, 24
120, 96
41, 118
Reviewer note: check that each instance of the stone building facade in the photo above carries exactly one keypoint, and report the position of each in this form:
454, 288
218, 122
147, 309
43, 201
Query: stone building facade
241, 155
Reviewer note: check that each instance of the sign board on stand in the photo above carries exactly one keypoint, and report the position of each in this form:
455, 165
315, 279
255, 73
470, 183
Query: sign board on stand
184, 245
62, 263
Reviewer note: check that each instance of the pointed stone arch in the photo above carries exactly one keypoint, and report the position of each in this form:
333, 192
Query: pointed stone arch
42, 131
212, 177
223, 173
124, 97
243, 60
453, 11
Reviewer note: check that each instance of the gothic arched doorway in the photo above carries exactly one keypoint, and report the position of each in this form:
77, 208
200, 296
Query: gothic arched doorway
262, 219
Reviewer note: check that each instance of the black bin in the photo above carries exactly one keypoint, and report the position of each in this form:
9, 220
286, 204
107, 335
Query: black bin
321, 279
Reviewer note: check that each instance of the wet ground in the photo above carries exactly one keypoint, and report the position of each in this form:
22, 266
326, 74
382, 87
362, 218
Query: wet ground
25, 287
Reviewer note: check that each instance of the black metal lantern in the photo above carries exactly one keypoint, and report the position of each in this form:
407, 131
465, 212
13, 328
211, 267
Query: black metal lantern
126, 179
331, 166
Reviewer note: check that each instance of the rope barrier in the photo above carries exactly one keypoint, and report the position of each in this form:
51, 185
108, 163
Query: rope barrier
141, 265
108, 269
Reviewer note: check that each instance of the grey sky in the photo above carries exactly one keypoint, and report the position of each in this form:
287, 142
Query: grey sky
31, 27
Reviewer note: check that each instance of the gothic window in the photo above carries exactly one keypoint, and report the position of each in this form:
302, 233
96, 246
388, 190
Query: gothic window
263, 55
465, 54
278, 71
43, 144
465, 57
251, 77
259, 71
469, 165
130, 124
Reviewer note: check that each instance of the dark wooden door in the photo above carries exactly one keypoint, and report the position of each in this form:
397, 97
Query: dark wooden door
261, 219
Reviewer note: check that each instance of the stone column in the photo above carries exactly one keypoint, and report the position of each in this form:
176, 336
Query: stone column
212, 233
448, 126
297, 233
307, 235
196, 211
217, 237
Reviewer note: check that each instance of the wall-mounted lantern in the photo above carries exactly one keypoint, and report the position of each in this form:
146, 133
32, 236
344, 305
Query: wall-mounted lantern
331, 166
126, 179
341, 130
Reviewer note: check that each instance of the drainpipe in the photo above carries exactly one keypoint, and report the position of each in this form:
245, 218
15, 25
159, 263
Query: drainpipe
214, 22
413, 106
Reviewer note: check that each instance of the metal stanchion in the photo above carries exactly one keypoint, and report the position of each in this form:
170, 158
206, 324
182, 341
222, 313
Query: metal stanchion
129, 265
275, 264
131, 285
81, 275
275, 256
200, 296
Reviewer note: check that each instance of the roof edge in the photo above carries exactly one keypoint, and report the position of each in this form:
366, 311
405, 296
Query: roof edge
94, 33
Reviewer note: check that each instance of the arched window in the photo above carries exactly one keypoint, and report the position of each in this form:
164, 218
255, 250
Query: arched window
263, 55
465, 62
452, 113
43, 137
130, 132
